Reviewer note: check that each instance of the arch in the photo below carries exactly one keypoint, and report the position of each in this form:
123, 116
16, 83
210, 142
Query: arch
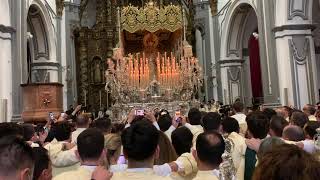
232, 29
200, 27
241, 20
48, 27
38, 38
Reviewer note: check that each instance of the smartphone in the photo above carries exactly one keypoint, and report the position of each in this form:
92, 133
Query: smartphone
122, 160
51, 116
139, 112
178, 117
45, 129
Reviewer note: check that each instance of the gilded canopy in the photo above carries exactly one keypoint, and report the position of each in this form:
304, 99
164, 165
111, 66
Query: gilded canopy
151, 18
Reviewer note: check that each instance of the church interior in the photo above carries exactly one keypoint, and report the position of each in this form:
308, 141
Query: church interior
159, 89
112, 55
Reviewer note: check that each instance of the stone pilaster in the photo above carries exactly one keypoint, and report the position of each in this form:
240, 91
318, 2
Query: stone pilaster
231, 80
6, 38
296, 59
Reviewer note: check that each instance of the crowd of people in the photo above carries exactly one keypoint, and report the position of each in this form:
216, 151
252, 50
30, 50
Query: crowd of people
260, 144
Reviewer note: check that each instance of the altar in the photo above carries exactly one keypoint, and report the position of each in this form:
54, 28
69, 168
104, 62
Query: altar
153, 66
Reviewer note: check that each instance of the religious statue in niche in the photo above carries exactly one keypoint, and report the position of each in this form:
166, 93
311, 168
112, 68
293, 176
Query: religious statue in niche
111, 66
155, 89
110, 74
150, 43
97, 70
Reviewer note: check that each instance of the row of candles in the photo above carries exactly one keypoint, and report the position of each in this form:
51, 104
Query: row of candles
167, 71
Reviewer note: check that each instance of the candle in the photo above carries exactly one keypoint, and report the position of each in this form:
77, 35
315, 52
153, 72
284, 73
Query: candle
141, 73
168, 71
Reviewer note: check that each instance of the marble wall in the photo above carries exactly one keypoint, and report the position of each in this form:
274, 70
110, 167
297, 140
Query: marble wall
290, 74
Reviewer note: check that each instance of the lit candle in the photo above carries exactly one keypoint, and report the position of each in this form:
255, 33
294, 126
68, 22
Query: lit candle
147, 73
168, 72
141, 74
158, 68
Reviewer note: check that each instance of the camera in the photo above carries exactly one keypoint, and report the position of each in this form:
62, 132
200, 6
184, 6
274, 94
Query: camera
224, 110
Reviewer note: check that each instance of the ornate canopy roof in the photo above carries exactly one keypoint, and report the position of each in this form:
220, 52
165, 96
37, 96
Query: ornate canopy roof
151, 18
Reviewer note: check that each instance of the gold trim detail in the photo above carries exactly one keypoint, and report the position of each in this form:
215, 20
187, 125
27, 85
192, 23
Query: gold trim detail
214, 7
59, 7
151, 18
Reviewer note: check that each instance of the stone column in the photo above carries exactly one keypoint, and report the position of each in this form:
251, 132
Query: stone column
69, 23
7, 34
296, 55
231, 80
199, 54
6, 72
204, 23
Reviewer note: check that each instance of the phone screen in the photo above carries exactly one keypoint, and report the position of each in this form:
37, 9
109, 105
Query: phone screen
51, 116
178, 116
139, 112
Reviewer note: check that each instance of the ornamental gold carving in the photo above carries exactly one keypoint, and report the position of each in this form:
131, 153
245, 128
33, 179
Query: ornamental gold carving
151, 18
59, 7
214, 7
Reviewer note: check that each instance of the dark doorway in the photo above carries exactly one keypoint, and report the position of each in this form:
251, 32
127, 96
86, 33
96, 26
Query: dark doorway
255, 70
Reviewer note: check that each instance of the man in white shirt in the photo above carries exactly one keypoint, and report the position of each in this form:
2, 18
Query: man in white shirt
82, 123
193, 123
91, 154
238, 108
208, 155
167, 124
140, 147
310, 111
61, 151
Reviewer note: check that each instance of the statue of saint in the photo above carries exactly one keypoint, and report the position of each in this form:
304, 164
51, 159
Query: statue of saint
150, 43
97, 70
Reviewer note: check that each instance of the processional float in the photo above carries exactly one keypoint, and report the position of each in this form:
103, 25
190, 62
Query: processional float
153, 66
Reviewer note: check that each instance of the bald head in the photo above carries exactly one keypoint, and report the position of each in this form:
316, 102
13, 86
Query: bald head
309, 109
293, 133
82, 121
210, 147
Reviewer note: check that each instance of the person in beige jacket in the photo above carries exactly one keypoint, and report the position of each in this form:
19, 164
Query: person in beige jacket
208, 154
186, 166
231, 129
140, 148
61, 151
91, 154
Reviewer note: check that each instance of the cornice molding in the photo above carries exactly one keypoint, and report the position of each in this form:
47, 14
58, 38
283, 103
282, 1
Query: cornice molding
7, 29
294, 27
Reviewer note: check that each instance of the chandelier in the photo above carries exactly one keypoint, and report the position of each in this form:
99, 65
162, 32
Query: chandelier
139, 79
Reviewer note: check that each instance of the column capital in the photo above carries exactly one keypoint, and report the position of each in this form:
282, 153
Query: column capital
7, 29
292, 27
230, 62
